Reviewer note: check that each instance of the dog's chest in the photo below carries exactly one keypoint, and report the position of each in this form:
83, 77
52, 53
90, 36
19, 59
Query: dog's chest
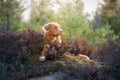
53, 40
50, 38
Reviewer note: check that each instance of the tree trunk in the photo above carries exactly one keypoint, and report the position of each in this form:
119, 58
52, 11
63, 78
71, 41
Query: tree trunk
7, 27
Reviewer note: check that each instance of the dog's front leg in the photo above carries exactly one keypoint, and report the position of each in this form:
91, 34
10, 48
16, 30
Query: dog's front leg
58, 40
44, 51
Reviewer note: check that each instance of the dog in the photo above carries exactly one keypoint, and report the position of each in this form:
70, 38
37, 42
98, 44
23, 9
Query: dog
52, 32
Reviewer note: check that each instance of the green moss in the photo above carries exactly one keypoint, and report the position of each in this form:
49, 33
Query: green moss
55, 66
67, 57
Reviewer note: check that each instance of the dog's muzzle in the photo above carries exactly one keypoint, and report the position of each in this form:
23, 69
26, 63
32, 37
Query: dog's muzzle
61, 31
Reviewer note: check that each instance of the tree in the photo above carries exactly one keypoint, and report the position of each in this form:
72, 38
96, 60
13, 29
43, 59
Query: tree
110, 13
34, 10
40, 14
10, 10
71, 18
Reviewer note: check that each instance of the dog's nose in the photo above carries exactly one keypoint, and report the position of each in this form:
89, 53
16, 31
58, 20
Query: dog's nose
61, 31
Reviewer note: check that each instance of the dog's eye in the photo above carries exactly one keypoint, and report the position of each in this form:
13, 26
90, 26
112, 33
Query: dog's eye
55, 28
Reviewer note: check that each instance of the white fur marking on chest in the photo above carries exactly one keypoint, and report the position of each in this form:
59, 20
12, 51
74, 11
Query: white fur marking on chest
53, 40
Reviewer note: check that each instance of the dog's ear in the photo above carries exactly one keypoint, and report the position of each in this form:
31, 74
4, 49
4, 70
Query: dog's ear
46, 27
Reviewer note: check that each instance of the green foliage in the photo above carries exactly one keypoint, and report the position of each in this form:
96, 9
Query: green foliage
103, 34
10, 11
111, 14
71, 19
69, 15
100, 35
93, 35
74, 24
40, 14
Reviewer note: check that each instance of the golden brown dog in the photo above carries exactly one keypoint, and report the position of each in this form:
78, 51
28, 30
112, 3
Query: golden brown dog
52, 32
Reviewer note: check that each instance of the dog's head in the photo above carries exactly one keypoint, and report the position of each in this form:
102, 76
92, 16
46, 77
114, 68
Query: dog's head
53, 29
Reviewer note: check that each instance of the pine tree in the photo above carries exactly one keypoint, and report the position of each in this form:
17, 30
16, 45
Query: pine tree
70, 16
42, 13
10, 10
110, 13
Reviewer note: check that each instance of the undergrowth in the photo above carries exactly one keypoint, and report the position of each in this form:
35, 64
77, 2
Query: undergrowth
19, 53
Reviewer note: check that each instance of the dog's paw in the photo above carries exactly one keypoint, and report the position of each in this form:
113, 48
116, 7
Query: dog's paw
42, 58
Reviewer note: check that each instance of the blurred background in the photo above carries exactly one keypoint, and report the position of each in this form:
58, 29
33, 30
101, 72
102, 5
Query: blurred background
94, 20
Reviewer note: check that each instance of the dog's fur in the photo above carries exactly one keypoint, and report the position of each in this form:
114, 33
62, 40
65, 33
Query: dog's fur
52, 32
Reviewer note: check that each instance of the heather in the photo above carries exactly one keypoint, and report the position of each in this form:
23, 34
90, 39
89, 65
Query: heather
20, 50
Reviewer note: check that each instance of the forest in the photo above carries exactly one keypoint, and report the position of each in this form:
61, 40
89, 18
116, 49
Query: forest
21, 40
